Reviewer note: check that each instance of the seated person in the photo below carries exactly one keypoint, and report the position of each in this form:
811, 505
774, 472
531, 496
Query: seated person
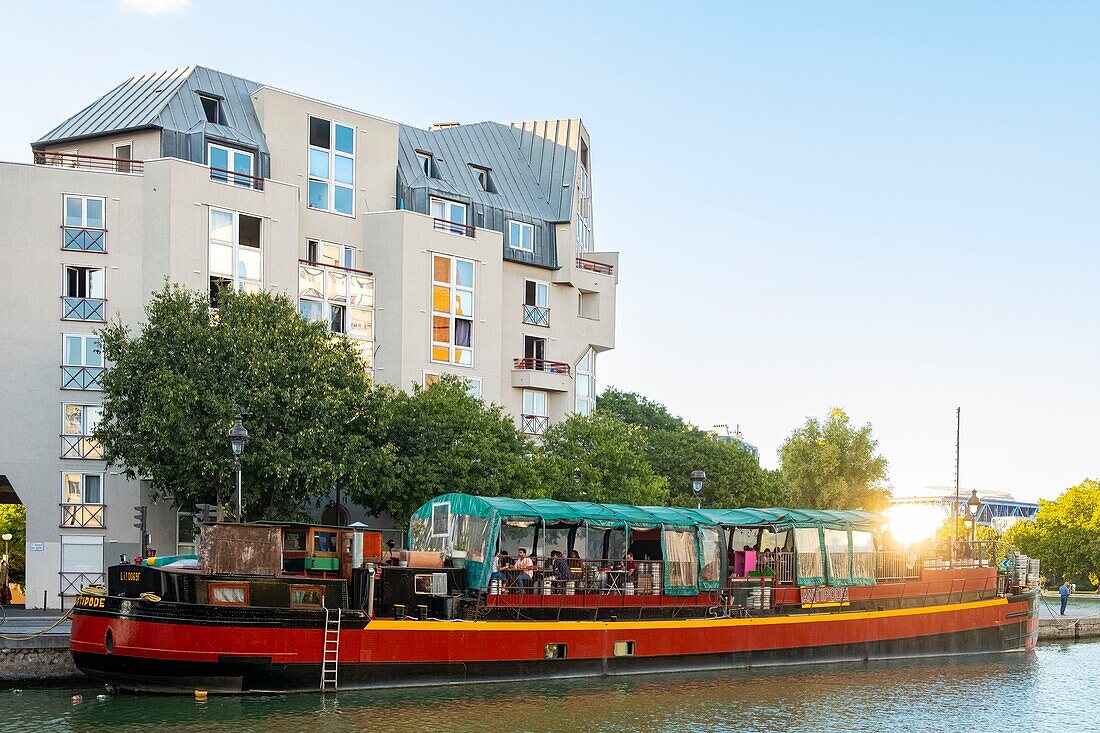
525, 568
500, 559
560, 567
576, 564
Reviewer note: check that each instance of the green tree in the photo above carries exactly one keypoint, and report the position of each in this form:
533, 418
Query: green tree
13, 520
172, 390
598, 458
1065, 534
833, 465
438, 440
636, 409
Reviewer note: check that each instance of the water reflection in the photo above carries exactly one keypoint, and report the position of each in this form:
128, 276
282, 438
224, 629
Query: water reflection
975, 693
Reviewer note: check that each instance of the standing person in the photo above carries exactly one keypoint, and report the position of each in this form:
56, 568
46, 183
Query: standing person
501, 558
525, 568
1064, 592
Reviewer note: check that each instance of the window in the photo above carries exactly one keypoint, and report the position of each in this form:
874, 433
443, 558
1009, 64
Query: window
534, 419
236, 253
83, 292
588, 305
123, 154
536, 299
306, 596
586, 384
483, 180
556, 651
426, 163
584, 155
81, 562
324, 542
450, 216
441, 519
81, 362
534, 347
342, 299
331, 166
473, 384
84, 227
584, 213
212, 108
452, 310
78, 422
185, 533
82, 488
624, 648
326, 253
225, 162
228, 594
521, 235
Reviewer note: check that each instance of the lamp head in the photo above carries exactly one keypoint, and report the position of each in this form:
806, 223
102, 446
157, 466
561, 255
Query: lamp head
697, 479
238, 435
7, 537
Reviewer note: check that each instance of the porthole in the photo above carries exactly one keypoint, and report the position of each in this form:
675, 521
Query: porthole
109, 641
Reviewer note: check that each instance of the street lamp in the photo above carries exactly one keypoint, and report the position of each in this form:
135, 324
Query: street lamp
238, 436
4, 565
697, 479
973, 504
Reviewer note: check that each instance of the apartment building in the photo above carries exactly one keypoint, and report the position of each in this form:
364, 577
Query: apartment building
460, 249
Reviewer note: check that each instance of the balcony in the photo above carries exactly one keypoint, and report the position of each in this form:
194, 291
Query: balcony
244, 180
83, 309
453, 227
89, 162
72, 583
83, 239
533, 424
81, 377
536, 315
84, 515
81, 446
600, 268
552, 376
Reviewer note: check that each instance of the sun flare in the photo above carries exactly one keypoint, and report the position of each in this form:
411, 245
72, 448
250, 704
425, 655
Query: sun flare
912, 523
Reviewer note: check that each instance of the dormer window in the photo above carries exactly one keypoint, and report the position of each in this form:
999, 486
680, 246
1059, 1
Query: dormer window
482, 176
425, 161
212, 108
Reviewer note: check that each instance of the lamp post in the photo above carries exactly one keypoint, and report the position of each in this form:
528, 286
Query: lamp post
697, 479
5, 563
238, 436
973, 504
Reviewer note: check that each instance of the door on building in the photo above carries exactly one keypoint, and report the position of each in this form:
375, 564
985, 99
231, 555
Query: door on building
81, 563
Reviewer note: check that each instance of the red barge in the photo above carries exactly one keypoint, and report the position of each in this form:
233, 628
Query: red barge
599, 590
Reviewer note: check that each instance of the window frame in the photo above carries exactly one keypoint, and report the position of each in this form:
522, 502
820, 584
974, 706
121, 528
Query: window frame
451, 314
536, 393
121, 167
591, 375
180, 514
237, 282
300, 587
483, 176
331, 182
66, 365
84, 198
219, 108
458, 227
87, 269
229, 175
427, 162
101, 475
523, 226
470, 382
221, 585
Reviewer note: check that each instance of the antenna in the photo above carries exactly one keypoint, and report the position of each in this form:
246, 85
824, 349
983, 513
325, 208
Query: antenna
955, 506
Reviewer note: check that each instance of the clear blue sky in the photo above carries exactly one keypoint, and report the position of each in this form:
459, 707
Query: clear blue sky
890, 207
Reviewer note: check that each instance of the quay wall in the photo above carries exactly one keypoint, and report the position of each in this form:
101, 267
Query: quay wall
1069, 629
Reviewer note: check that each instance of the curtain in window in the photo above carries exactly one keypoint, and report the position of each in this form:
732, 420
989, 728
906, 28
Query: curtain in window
863, 558
462, 332
711, 541
836, 548
807, 543
680, 562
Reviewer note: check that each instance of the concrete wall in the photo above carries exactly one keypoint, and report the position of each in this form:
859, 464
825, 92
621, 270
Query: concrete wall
146, 145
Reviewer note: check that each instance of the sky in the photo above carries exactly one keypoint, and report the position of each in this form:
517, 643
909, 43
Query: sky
886, 207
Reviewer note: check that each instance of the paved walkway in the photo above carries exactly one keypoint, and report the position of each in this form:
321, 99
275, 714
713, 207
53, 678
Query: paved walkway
29, 620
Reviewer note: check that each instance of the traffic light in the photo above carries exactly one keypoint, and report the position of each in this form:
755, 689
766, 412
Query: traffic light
142, 524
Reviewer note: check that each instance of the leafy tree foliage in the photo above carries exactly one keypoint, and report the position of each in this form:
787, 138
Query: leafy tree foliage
13, 519
1065, 534
833, 465
437, 440
172, 390
639, 410
598, 458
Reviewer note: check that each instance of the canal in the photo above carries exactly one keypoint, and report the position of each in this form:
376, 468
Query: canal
1051, 689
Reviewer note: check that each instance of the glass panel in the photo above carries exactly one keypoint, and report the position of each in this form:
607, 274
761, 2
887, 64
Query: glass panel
438, 209
345, 170
318, 195
514, 236
458, 213
221, 225
441, 353
337, 285
311, 310
349, 257
441, 270
361, 323
249, 230
305, 597
95, 283
336, 318
680, 560
93, 489
231, 594
74, 211
74, 350
441, 329
344, 199
528, 238
318, 163
74, 420
242, 163
582, 385
464, 273
464, 303
711, 541
319, 132
345, 139
250, 287
95, 213
219, 158
441, 298
248, 265
72, 489
362, 290
330, 253
465, 357
221, 259
310, 284
463, 327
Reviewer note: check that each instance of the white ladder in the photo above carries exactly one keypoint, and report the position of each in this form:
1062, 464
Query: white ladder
330, 656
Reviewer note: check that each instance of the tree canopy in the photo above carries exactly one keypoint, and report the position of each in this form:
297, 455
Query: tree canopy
1065, 534
833, 465
13, 519
172, 390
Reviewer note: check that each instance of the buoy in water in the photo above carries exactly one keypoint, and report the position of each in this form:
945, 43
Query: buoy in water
76, 698
101, 698
200, 695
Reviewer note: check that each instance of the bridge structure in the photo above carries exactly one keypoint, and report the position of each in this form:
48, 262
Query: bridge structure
998, 509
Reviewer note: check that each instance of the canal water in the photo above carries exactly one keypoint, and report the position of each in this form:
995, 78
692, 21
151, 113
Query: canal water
1051, 689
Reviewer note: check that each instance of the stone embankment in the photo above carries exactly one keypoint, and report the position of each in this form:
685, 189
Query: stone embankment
1068, 628
41, 657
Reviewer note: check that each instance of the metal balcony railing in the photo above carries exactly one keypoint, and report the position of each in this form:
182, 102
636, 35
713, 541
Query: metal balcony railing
89, 162
221, 175
71, 583
81, 446
593, 266
542, 365
536, 315
81, 377
893, 566
534, 424
453, 227
84, 515
83, 309
83, 239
